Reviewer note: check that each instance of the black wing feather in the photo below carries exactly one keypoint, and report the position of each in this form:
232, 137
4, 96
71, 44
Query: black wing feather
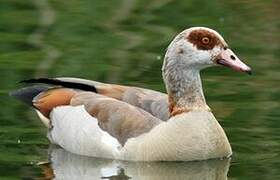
57, 82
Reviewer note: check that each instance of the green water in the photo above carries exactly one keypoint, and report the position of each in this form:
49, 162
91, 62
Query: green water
124, 42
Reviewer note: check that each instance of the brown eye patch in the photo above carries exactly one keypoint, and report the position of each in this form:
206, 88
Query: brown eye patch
204, 40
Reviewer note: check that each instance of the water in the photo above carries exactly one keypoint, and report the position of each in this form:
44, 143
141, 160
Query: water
124, 42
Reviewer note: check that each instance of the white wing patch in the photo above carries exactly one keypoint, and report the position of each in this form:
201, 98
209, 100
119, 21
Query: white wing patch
78, 132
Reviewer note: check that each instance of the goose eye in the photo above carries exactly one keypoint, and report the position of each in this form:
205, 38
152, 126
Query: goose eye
205, 40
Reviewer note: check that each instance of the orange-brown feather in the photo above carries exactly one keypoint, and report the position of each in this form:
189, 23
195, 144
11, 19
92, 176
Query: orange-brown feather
52, 98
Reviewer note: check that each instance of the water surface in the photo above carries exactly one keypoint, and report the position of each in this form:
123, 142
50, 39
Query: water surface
124, 42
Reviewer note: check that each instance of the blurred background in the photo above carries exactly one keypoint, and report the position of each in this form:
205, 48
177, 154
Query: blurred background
124, 41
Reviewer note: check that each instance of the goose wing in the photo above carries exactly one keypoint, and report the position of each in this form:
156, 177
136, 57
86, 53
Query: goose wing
120, 119
154, 102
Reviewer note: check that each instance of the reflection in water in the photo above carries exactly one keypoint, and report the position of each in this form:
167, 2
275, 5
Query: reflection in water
65, 165
120, 175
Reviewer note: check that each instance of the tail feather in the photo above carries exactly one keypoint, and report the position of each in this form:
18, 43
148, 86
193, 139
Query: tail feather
27, 94
49, 94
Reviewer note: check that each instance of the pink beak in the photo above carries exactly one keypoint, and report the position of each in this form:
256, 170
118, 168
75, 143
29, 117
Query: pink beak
229, 59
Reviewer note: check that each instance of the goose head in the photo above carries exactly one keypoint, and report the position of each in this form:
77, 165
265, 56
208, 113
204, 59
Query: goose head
201, 47
192, 50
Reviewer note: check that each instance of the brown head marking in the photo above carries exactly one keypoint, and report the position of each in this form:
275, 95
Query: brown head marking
204, 40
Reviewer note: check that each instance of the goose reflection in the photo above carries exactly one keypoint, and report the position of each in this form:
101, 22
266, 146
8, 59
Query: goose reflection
65, 165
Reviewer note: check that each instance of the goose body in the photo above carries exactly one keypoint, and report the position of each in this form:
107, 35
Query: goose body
136, 124
176, 139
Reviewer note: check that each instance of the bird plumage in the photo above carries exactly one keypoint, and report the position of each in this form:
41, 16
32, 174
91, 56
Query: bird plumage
131, 123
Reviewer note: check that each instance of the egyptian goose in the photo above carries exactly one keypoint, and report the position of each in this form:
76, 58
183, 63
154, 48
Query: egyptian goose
130, 123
